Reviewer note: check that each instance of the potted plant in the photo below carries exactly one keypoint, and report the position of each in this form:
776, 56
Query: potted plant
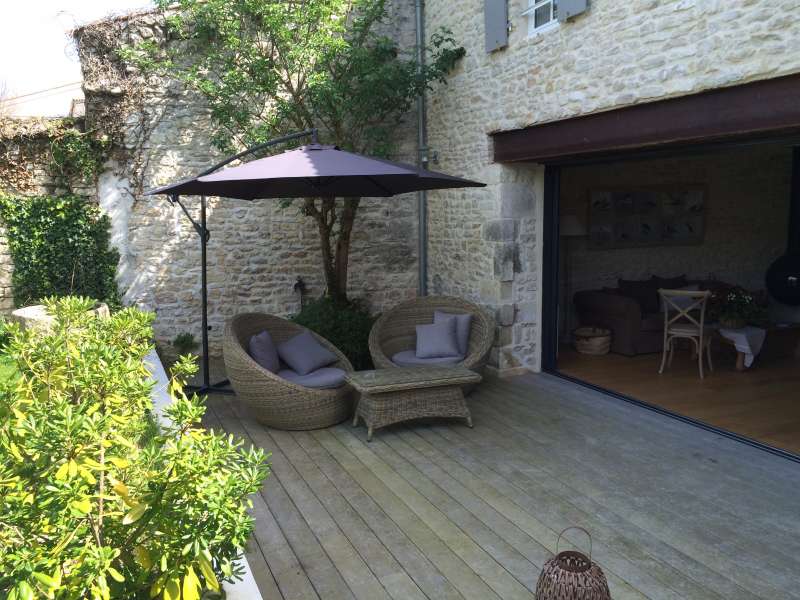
735, 307
98, 501
184, 343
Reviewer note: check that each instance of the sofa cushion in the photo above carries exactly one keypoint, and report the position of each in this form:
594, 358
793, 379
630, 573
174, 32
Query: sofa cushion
262, 350
652, 322
437, 339
670, 283
463, 324
322, 379
408, 358
304, 354
644, 292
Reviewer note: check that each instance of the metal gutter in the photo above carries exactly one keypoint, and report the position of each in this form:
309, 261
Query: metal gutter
422, 155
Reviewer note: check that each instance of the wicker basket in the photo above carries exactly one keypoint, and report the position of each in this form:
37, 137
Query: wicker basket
571, 575
592, 340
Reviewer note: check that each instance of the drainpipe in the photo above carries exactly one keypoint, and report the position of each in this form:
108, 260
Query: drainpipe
422, 156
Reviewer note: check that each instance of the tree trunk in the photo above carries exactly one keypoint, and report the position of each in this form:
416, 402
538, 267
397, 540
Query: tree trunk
342, 258
334, 260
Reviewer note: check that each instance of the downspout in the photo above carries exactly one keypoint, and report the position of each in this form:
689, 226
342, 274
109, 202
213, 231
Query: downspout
422, 155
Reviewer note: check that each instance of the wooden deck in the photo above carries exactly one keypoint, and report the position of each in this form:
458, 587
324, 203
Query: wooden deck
437, 510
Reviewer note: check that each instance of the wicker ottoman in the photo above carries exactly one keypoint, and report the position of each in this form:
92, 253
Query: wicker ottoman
394, 395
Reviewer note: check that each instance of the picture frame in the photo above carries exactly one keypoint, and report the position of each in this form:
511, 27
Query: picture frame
647, 216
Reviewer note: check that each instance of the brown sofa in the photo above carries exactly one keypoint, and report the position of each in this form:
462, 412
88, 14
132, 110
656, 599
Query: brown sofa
632, 332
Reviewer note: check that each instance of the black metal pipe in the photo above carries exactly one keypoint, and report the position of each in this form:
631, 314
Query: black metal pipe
422, 155
204, 292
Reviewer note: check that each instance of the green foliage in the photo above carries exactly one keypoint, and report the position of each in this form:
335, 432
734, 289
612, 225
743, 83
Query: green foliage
736, 304
268, 67
59, 246
77, 156
93, 502
184, 343
346, 325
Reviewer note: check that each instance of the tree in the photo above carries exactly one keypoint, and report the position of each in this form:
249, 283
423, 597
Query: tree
269, 67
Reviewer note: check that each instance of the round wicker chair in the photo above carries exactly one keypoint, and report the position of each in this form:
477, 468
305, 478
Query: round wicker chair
395, 330
275, 401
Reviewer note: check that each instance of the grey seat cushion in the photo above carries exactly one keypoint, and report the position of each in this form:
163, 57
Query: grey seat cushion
408, 358
262, 350
321, 379
437, 340
304, 354
463, 323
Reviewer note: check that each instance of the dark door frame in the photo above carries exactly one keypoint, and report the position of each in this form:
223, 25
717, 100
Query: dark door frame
550, 309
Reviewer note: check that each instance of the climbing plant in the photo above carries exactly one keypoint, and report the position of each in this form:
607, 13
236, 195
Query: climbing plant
59, 246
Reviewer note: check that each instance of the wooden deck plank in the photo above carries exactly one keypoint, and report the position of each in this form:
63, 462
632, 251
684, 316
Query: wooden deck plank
505, 500
566, 506
379, 560
441, 511
347, 561
409, 556
326, 580
495, 576
462, 577
641, 570
647, 508
259, 566
517, 564
649, 469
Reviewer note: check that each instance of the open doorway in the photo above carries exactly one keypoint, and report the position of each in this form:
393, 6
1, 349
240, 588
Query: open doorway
705, 223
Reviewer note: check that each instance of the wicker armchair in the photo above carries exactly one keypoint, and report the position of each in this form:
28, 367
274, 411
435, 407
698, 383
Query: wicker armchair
275, 401
395, 330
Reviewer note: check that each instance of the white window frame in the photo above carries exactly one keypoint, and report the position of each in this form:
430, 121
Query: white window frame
530, 13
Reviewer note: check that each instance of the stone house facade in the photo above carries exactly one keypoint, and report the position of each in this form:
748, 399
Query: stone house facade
487, 244
484, 244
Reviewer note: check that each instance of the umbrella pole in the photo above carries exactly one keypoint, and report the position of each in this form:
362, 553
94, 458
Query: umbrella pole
206, 387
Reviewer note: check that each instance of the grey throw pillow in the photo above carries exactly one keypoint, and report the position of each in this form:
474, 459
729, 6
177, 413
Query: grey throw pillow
437, 339
262, 350
303, 353
463, 324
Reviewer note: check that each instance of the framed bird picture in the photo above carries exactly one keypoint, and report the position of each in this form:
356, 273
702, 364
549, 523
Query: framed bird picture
647, 216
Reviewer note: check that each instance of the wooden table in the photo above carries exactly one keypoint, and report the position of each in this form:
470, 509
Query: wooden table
399, 394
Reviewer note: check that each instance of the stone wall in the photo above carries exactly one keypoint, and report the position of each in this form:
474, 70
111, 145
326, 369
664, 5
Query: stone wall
618, 53
257, 249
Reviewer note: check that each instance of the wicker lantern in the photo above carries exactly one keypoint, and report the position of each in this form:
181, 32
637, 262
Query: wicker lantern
571, 575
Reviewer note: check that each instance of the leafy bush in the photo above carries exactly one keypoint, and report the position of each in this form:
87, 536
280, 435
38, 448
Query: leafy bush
75, 155
345, 324
94, 501
59, 246
184, 343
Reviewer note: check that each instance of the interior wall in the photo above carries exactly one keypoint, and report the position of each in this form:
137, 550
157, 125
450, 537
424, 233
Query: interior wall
747, 206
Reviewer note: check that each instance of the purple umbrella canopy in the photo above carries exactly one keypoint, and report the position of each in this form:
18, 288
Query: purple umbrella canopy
315, 171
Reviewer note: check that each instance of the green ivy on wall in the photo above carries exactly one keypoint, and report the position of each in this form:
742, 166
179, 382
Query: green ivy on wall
59, 246
77, 156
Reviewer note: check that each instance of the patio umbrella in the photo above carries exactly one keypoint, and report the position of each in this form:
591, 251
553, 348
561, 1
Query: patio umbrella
314, 170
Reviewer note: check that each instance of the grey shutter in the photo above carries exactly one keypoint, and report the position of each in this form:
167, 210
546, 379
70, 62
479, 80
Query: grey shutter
570, 8
495, 14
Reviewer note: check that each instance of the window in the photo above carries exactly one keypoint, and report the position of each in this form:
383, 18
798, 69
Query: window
542, 14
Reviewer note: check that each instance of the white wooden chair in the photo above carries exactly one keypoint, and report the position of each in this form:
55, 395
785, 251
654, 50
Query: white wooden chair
681, 308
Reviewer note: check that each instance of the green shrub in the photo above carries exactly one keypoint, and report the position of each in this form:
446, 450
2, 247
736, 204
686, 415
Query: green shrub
59, 246
95, 502
184, 343
345, 325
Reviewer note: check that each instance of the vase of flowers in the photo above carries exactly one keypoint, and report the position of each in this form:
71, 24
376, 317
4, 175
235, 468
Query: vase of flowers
735, 307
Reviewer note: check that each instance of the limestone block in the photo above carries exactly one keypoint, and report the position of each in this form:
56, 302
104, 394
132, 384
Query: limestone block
500, 230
